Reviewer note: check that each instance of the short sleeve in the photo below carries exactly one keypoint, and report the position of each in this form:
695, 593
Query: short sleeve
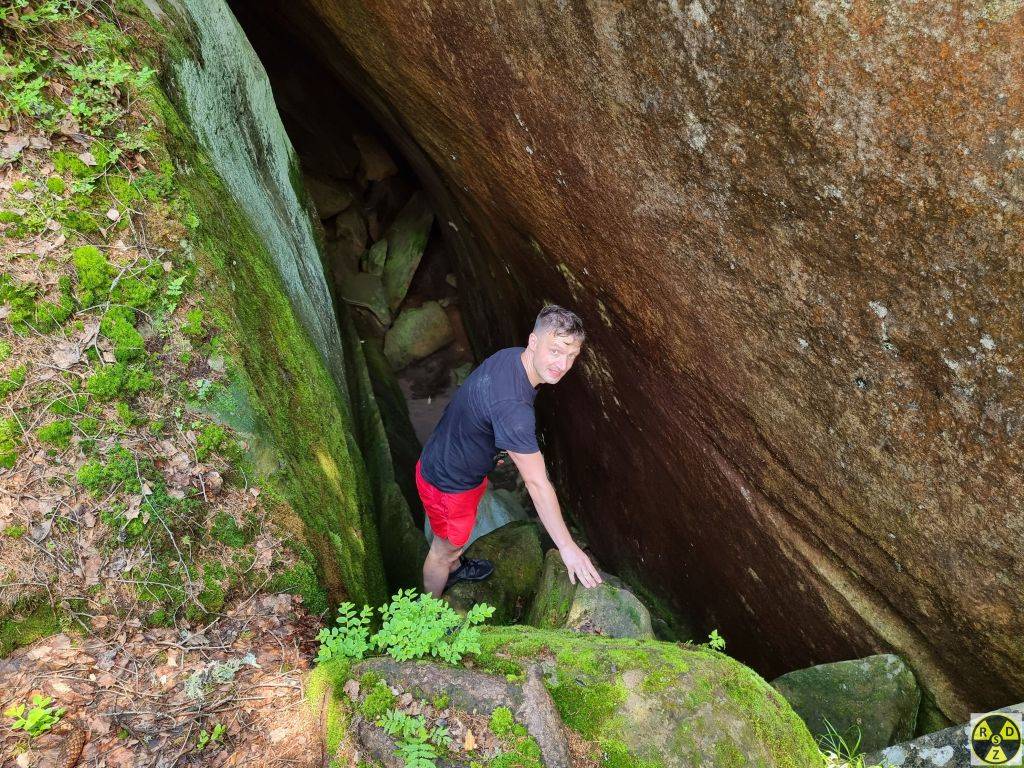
515, 427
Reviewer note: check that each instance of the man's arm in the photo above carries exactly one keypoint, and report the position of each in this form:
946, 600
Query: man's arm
531, 467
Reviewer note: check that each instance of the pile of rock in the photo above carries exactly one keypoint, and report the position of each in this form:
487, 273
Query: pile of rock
377, 228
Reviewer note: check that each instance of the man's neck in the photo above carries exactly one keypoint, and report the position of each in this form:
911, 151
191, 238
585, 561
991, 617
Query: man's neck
531, 374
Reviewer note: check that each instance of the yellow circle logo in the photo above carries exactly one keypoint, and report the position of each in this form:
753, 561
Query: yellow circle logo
995, 740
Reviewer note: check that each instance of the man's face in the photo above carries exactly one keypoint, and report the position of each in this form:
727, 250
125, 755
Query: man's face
553, 355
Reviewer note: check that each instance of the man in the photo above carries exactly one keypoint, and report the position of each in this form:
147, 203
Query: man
493, 411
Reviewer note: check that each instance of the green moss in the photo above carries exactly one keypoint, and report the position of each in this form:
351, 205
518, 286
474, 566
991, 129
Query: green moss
119, 380
118, 325
586, 708
15, 531
226, 530
56, 185
502, 721
210, 440
56, 433
94, 274
25, 625
327, 702
193, 325
378, 701
5, 350
301, 579
616, 754
10, 435
15, 380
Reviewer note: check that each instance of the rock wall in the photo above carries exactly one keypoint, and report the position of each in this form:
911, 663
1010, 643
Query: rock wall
298, 364
794, 231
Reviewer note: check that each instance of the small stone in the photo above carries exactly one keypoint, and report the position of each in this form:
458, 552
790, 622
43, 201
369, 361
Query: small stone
113, 214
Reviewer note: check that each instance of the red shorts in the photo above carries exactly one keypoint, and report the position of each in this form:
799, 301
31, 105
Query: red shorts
451, 515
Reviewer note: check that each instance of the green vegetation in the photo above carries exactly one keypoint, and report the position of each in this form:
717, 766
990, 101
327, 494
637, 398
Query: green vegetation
413, 627
37, 720
715, 641
56, 433
378, 701
206, 738
415, 746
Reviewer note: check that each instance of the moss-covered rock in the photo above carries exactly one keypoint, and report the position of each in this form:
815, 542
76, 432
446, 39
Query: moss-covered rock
515, 551
418, 332
876, 697
608, 609
649, 703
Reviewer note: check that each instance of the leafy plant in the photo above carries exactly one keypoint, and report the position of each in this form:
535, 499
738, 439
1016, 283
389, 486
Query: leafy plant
349, 638
206, 739
842, 753
415, 745
417, 626
413, 626
38, 720
715, 641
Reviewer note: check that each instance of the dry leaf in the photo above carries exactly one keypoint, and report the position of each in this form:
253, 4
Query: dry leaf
113, 214
39, 142
134, 508
87, 158
66, 355
469, 744
351, 689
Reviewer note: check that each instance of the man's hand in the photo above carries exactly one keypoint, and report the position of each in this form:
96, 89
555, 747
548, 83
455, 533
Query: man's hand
579, 566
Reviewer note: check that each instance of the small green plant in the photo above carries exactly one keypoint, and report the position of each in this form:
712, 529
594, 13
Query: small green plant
417, 626
37, 720
349, 638
715, 641
502, 721
207, 738
415, 746
840, 752
378, 701
413, 626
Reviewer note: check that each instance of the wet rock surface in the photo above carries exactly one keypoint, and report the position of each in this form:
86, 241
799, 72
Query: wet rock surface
794, 235
876, 697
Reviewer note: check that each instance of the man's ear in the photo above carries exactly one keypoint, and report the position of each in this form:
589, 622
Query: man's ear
531, 343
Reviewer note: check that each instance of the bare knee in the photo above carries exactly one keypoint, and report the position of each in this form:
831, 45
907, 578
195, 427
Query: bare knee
444, 551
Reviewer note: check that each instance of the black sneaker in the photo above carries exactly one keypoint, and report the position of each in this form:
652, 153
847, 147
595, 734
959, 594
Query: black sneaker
470, 570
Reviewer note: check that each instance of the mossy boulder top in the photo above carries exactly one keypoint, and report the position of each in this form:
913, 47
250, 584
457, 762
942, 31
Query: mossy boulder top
649, 703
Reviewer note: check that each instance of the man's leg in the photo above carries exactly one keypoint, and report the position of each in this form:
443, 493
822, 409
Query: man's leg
442, 559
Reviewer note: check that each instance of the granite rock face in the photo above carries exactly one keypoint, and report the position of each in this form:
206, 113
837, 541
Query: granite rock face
794, 232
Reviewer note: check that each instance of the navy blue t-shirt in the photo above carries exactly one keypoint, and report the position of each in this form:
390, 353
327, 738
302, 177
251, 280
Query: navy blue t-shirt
491, 411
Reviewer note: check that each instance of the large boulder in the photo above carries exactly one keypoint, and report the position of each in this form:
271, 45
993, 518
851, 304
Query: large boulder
515, 551
671, 705
329, 197
815, 404
947, 748
417, 332
474, 692
407, 239
608, 609
876, 697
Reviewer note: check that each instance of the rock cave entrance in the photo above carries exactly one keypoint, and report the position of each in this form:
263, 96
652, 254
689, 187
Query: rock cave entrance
387, 255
